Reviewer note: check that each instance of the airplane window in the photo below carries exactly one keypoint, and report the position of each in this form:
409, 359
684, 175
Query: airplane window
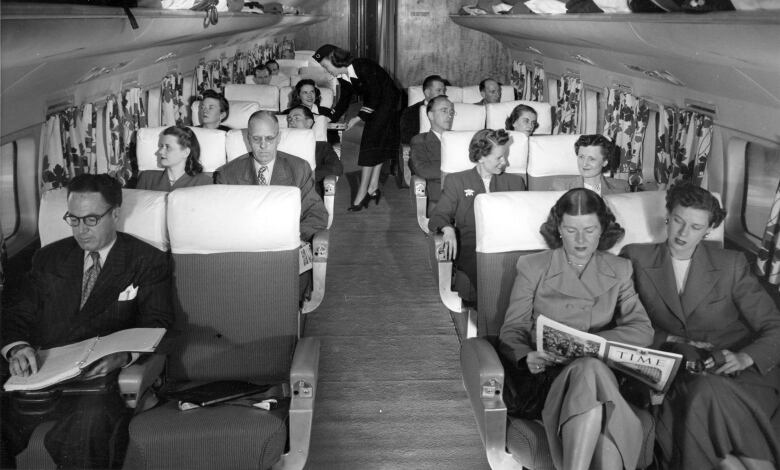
9, 209
762, 170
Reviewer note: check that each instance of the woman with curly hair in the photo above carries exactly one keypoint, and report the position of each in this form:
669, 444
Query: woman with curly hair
307, 94
593, 159
587, 421
704, 302
179, 154
453, 215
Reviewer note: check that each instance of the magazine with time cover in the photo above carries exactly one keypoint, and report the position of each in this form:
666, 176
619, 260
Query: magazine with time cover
650, 366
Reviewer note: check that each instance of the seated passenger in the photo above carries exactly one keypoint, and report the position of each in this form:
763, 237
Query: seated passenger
522, 119
307, 94
73, 293
262, 75
593, 152
433, 86
277, 77
425, 155
704, 301
328, 163
490, 91
587, 421
453, 215
214, 108
179, 153
265, 165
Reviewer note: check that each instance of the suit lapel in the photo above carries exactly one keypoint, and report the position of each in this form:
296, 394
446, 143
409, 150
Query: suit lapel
661, 273
702, 276
474, 183
282, 176
72, 273
247, 173
597, 278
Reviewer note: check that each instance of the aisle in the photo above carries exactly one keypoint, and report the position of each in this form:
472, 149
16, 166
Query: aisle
390, 394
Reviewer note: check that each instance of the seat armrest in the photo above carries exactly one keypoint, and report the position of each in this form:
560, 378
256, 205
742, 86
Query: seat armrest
406, 150
483, 378
303, 382
419, 189
450, 299
134, 381
329, 196
319, 248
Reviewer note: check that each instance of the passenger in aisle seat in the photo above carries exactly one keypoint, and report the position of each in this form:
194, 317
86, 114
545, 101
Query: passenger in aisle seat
490, 90
213, 110
433, 86
425, 155
267, 166
522, 119
453, 215
179, 153
328, 163
587, 421
593, 155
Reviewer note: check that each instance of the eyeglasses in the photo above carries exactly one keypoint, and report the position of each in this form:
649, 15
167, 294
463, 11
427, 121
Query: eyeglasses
89, 220
259, 139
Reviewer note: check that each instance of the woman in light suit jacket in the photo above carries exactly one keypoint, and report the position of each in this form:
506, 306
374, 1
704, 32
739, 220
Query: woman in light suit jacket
704, 300
593, 153
587, 421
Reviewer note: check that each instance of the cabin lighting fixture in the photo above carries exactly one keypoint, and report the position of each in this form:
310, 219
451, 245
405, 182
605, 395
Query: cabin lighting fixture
664, 76
583, 59
165, 57
99, 71
635, 68
535, 50
206, 47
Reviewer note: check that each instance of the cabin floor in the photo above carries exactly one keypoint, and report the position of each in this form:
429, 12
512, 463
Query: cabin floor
390, 390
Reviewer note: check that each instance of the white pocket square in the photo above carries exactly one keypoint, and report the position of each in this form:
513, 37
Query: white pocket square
129, 293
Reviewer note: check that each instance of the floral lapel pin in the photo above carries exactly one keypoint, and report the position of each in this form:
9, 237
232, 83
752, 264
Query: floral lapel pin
469, 192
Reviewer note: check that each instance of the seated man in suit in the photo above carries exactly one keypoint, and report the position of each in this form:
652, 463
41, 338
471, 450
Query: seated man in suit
73, 293
265, 165
433, 86
328, 163
262, 76
277, 77
490, 91
425, 156
214, 108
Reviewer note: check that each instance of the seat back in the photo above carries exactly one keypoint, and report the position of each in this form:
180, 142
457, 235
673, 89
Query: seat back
142, 215
320, 76
291, 66
285, 97
468, 117
471, 94
320, 127
235, 254
550, 156
298, 142
415, 94
496, 114
455, 152
266, 96
211, 141
238, 113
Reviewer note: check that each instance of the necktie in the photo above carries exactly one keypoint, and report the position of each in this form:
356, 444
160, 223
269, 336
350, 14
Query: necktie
90, 277
261, 176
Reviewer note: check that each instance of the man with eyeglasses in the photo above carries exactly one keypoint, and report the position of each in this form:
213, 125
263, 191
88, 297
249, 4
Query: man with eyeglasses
425, 155
264, 165
92, 284
328, 163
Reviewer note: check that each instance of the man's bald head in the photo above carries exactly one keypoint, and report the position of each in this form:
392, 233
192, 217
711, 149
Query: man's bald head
267, 116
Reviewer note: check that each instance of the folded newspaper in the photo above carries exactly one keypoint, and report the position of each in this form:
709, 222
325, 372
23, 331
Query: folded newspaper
651, 366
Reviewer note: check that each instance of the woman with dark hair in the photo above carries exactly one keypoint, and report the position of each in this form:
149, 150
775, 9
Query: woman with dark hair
593, 154
705, 303
522, 119
381, 138
587, 421
453, 215
307, 94
179, 154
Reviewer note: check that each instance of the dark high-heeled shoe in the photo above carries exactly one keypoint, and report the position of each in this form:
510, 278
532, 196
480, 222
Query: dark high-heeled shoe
363, 204
376, 196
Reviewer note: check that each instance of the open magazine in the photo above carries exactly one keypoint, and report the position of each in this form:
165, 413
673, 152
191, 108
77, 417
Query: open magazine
651, 366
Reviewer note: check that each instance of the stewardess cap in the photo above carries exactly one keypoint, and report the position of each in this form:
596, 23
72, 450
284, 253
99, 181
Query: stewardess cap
323, 51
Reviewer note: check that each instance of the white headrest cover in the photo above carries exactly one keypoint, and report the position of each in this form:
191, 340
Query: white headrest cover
468, 117
552, 155
225, 218
510, 221
142, 215
267, 96
455, 152
212, 147
298, 142
415, 93
238, 115
471, 94
498, 112
320, 127
518, 153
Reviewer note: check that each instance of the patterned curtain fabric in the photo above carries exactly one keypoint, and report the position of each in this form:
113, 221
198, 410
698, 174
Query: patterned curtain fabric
528, 83
568, 117
208, 76
173, 106
768, 260
625, 122
67, 145
122, 119
682, 145
54, 169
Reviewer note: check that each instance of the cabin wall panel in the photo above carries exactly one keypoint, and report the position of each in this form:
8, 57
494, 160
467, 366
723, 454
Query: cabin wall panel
334, 30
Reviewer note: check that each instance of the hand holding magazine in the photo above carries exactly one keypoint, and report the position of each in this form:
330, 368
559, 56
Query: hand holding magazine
650, 366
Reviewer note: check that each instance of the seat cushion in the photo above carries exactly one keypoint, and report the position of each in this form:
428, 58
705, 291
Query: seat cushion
165, 437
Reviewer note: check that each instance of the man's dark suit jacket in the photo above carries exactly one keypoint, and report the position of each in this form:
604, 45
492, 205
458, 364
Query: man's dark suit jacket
48, 314
328, 162
425, 161
456, 209
289, 170
410, 122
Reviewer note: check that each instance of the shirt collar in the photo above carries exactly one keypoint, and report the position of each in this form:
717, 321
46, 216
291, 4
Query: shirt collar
269, 165
437, 134
103, 255
350, 74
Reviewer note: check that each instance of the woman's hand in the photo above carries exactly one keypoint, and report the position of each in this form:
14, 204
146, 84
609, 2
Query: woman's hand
735, 362
538, 361
353, 122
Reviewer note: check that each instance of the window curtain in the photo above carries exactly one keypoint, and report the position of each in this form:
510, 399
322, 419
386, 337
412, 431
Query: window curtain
625, 122
124, 115
768, 260
568, 118
528, 82
208, 76
68, 146
173, 106
682, 145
